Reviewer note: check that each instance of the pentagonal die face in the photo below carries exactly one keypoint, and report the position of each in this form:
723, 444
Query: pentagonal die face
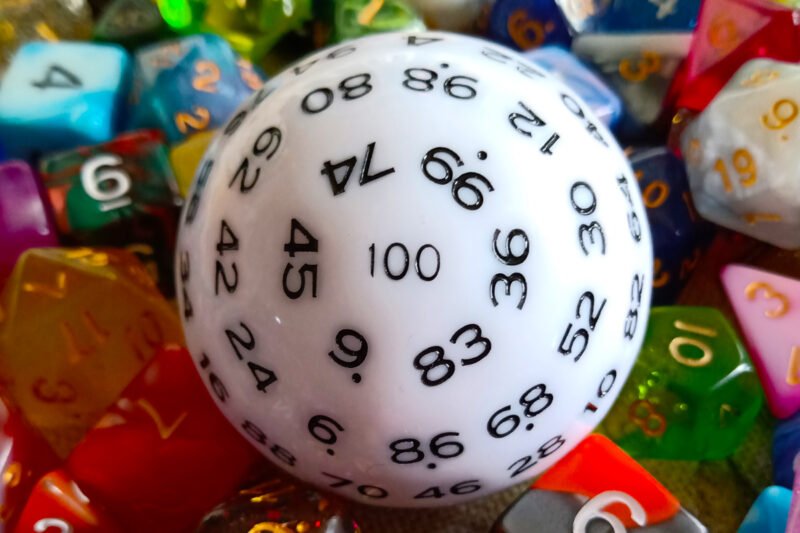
741, 154
414, 269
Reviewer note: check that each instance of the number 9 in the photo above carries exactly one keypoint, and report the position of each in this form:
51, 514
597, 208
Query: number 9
104, 184
593, 509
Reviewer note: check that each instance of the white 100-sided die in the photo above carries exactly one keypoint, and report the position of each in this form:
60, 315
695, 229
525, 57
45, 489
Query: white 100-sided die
414, 269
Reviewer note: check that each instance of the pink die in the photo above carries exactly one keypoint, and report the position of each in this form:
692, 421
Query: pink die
768, 309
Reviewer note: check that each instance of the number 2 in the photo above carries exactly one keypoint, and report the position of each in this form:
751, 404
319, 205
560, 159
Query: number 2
197, 120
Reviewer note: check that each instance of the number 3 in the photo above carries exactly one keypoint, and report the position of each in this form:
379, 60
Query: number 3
593, 510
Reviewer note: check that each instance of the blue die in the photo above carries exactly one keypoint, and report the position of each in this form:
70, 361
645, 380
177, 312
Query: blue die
785, 446
678, 233
526, 24
62, 95
631, 16
564, 66
189, 85
769, 512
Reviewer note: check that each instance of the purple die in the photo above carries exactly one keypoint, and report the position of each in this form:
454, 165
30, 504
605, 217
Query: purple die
25, 221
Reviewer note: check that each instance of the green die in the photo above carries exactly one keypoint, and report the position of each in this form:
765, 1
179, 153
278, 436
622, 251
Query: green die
357, 18
693, 393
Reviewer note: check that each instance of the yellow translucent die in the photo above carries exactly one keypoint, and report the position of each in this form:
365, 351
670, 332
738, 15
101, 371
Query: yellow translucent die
185, 157
76, 326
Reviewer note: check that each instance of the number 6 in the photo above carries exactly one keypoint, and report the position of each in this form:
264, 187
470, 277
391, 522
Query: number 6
593, 509
104, 184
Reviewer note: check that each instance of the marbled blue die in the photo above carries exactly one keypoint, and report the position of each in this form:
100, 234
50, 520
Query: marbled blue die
526, 24
62, 95
187, 85
679, 234
564, 66
631, 16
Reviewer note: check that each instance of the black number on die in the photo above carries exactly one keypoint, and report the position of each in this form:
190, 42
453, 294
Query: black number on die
548, 448
57, 77
468, 181
264, 376
445, 368
576, 110
228, 241
606, 384
632, 320
370, 491
366, 175
324, 428
535, 401
593, 231
357, 353
529, 118
260, 437
335, 54
424, 80
351, 88
584, 334
459, 489
512, 259
407, 451
293, 247
634, 225
184, 267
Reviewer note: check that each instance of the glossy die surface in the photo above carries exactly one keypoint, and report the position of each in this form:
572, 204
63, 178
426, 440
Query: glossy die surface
279, 504
162, 454
185, 157
639, 67
104, 319
693, 393
121, 193
58, 504
189, 85
769, 512
767, 307
25, 458
631, 16
597, 466
344, 247
60, 95
526, 24
730, 33
741, 156
25, 221
678, 232
564, 66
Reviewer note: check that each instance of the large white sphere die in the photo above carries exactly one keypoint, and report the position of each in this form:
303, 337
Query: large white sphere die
414, 269
741, 154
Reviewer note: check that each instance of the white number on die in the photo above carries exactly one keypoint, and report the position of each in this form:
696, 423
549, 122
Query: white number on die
104, 184
593, 509
44, 524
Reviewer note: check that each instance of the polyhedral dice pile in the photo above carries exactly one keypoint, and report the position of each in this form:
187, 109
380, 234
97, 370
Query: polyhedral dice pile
180, 187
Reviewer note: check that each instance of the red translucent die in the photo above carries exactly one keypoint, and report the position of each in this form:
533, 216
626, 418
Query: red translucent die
163, 455
24, 458
57, 505
728, 34
597, 465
